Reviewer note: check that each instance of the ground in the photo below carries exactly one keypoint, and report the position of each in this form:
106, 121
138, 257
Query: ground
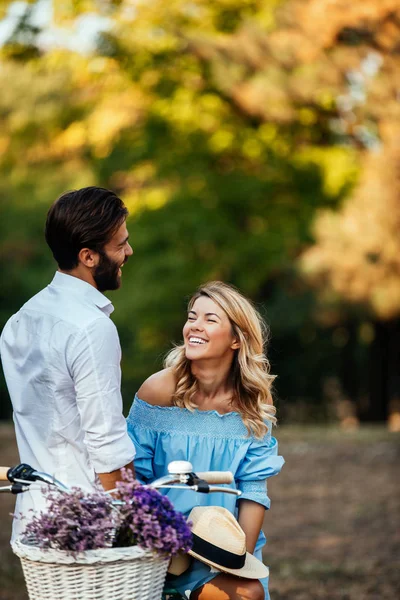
334, 525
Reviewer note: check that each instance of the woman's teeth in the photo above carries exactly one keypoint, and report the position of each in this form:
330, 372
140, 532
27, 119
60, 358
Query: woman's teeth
196, 340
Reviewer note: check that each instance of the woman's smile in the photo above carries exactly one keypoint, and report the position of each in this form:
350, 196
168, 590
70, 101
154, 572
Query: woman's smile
195, 340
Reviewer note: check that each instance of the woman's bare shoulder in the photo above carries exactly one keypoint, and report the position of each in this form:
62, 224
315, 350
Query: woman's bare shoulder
159, 388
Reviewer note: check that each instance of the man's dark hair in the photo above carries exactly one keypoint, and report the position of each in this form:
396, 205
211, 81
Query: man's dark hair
85, 218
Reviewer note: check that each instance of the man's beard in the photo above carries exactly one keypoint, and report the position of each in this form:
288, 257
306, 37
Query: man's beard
106, 275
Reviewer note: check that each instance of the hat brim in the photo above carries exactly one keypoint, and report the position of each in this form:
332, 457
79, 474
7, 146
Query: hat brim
252, 568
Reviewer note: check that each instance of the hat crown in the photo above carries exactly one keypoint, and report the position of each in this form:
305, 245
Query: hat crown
218, 526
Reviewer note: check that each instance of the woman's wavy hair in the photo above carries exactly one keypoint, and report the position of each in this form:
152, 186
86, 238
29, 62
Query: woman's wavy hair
250, 372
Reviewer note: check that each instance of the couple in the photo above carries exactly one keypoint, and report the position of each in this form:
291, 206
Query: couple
211, 404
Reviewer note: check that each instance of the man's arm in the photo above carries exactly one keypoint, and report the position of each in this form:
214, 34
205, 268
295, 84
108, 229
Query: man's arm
108, 480
94, 362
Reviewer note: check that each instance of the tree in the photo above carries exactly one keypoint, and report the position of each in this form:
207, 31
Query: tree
218, 124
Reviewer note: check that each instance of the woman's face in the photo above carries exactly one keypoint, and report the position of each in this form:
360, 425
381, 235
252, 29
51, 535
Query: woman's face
208, 332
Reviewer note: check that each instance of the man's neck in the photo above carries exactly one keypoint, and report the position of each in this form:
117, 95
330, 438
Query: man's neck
80, 272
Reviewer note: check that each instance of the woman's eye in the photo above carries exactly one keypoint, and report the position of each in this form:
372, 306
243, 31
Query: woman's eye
211, 321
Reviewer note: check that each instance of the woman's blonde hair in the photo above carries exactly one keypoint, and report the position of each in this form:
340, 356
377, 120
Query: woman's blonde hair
250, 376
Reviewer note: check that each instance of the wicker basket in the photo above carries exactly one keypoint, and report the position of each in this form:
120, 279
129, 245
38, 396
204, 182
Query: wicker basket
104, 574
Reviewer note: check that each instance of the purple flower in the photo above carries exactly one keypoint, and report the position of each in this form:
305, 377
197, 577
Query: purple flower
74, 521
79, 521
150, 520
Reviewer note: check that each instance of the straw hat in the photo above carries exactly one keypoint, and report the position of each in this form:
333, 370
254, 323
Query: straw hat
219, 541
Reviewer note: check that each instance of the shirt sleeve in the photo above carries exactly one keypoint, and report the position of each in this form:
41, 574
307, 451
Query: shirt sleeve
144, 440
94, 364
260, 462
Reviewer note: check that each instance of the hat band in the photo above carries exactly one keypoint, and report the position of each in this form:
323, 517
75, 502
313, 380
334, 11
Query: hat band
217, 555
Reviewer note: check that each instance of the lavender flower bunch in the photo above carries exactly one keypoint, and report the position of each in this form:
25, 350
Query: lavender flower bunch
75, 521
150, 520
79, 521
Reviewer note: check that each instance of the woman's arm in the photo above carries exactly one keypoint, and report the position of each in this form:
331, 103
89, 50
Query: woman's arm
251, 517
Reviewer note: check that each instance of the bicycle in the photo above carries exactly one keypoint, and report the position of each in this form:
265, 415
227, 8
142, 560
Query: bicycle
180, 476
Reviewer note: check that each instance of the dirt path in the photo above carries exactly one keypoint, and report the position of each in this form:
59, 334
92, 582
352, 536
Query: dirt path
334, 527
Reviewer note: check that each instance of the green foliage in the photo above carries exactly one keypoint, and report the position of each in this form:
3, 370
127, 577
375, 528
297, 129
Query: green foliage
217, 138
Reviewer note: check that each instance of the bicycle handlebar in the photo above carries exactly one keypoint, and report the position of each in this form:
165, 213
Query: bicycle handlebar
25, 474
3, 473
181, 472
216, 476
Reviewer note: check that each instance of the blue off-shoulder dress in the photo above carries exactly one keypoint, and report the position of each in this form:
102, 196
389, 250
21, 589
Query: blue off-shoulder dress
211, 442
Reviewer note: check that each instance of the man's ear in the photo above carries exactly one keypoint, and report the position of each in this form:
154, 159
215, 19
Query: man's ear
88, 257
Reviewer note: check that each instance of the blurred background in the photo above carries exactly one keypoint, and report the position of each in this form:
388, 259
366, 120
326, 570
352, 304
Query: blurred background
256, 142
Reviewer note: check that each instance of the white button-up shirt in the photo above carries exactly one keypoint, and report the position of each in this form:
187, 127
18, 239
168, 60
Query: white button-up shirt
61, 359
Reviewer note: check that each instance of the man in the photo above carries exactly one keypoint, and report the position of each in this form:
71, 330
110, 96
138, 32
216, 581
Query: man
61, 353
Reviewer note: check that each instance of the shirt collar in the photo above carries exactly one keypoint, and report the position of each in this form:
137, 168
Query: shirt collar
76, 285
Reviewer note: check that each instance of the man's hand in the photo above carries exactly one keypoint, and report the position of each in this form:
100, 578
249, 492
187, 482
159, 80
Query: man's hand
108, 480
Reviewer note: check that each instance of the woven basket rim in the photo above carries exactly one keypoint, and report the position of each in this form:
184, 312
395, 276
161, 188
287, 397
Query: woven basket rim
100, 555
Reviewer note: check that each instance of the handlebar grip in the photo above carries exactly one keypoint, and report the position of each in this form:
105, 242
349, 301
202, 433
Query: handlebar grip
3, 473
216, 476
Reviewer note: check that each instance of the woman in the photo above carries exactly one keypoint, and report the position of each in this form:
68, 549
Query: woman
212, 405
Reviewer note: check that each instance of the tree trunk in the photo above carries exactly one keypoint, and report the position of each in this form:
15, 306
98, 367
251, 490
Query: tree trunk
350, 375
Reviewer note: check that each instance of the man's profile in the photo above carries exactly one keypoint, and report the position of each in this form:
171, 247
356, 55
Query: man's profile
61, 352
